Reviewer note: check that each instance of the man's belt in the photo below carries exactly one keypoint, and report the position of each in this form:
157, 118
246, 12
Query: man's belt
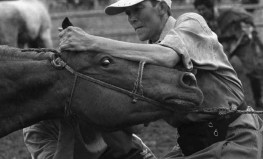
199, 135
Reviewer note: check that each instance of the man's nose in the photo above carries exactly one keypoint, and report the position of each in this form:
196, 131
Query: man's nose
132, 18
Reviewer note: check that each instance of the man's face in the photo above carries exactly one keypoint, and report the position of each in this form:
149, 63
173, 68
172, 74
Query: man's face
146, 20
206, 12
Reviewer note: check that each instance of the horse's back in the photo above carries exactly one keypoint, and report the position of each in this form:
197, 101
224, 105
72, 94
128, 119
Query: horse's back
36, 15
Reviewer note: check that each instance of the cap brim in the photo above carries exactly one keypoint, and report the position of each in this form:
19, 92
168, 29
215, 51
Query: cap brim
114, 10
120, 6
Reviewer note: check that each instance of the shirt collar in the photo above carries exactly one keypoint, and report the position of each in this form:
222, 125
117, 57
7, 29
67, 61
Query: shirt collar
168, 26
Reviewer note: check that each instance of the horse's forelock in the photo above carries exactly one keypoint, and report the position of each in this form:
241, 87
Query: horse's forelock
12, 54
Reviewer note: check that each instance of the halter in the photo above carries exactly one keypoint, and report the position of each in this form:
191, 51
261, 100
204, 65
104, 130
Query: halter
136, 94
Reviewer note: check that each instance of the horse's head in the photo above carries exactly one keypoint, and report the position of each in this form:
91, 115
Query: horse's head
126, 92
115, 92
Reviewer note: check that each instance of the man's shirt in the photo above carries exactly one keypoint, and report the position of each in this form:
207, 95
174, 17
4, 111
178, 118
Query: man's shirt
191, 38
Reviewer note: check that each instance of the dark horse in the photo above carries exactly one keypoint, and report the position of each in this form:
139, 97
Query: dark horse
25, 23
239, 38
105, 91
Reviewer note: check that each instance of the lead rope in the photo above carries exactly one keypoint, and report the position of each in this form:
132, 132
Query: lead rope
138, 87
226, 111
41, 50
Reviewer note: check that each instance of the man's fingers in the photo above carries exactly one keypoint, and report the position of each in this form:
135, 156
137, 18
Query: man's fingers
64, 47
61, 33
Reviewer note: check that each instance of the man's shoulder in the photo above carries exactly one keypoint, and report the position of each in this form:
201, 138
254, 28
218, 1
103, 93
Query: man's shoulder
194, 22
190, 15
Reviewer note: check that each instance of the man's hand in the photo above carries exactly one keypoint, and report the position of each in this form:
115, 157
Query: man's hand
75, 39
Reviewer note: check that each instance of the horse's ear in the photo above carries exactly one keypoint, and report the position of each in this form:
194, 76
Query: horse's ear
66, 23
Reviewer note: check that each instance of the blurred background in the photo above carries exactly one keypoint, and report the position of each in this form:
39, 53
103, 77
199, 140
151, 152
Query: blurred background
89, 15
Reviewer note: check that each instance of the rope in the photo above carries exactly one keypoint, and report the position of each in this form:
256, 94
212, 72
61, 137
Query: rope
40, 50
249, 112
68, 111
225, 111
138, 87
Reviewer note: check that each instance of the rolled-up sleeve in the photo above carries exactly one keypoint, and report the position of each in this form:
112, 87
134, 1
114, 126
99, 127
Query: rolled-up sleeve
41, 139
196, 44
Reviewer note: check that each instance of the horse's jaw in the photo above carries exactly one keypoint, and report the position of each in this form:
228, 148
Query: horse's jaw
176, 90
93, 104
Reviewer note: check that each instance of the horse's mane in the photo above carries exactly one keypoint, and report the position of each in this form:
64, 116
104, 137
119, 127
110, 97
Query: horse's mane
8, 53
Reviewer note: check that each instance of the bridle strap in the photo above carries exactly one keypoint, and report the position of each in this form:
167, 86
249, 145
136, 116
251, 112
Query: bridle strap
136, 94
68, 111
138, 87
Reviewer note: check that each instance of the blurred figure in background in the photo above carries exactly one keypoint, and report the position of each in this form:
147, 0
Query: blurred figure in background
25, 23
237, 33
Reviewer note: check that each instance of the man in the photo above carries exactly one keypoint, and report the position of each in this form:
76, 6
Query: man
70, 139
189, 44
209, 12
213, 15
230, 24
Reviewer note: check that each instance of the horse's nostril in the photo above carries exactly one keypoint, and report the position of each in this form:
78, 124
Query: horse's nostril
189, 79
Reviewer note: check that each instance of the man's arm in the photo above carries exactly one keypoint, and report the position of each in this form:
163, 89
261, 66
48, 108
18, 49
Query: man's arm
75, 39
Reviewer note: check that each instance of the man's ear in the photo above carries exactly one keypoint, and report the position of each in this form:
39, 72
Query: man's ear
162, 8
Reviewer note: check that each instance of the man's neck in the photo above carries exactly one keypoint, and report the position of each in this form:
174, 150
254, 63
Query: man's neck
157, 37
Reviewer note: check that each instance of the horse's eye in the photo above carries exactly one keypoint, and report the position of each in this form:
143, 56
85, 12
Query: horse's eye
105, 62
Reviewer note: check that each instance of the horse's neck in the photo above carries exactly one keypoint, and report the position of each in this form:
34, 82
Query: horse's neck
30, 91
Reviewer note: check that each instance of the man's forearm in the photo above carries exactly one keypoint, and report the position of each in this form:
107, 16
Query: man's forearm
151, 53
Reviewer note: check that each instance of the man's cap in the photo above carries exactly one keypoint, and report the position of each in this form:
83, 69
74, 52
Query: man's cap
120, 5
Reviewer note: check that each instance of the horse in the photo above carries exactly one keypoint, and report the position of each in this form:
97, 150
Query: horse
103, 90
25, 23
239, 38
